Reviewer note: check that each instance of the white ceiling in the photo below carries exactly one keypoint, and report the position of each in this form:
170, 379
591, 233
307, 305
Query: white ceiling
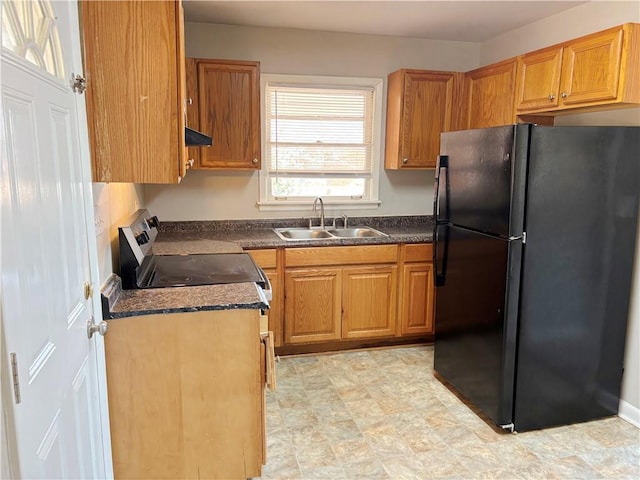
468, 21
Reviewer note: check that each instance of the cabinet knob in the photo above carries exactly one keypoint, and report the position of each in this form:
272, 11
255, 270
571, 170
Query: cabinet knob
405, 160
551, 97
564, 94
255, 161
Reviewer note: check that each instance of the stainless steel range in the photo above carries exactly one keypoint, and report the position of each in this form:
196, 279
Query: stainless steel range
140, 268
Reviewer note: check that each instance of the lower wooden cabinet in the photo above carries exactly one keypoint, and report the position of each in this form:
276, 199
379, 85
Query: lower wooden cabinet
186, 396
340, 293
312, 306
369, 301
417, 290
349, 293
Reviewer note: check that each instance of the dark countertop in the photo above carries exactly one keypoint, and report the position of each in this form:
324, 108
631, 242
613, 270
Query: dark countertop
183, 238
211, 237
118, 303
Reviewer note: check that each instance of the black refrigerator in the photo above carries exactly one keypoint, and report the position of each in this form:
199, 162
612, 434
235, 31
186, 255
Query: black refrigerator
535, 231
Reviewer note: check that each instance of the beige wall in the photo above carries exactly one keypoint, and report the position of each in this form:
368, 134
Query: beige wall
112, 204
581, 20
227, 195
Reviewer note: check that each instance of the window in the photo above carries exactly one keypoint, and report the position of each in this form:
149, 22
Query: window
321, 138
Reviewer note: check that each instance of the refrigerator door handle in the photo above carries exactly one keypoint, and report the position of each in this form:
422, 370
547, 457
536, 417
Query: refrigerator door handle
443, 163
440, 275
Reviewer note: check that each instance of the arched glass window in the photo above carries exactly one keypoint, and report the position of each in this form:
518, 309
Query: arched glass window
29, 29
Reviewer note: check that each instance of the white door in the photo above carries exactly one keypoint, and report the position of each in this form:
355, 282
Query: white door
47, 218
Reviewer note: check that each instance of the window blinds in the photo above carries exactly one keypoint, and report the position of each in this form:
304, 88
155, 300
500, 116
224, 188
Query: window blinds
321, 130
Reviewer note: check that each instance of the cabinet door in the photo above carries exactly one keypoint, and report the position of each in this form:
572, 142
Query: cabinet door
591, 68
417, 299
229, 108
419, 109
136, 127
538, 81
312, 305
369, 302
489, 95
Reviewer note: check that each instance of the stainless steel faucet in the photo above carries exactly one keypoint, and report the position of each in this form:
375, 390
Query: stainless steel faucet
315, 205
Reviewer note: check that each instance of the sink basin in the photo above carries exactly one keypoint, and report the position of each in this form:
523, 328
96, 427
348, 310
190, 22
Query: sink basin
301, 233
356, 232
291, 234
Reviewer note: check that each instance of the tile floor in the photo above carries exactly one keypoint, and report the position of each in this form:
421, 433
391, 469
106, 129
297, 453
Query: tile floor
380, 414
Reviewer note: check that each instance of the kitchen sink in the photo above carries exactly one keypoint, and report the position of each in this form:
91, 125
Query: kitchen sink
292, 234
356, 232
301, 234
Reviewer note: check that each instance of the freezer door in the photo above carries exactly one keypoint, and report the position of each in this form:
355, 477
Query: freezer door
476, 317
582, 208
475, 188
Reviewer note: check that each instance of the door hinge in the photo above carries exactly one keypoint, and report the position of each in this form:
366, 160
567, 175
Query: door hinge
78, 83
14, 375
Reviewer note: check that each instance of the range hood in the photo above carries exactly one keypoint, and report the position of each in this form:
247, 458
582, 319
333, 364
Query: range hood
193, 138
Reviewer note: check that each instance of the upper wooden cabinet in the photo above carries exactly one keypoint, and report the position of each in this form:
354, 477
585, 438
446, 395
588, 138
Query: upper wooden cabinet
228, 102
135, 90
419, 106
488, 96
588, 73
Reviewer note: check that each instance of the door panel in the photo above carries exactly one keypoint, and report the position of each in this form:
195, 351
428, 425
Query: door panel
470, 317
46, 256
312, 305
369, 302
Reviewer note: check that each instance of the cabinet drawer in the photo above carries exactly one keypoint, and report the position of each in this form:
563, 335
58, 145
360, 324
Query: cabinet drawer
323, 256
418, 252
264, 258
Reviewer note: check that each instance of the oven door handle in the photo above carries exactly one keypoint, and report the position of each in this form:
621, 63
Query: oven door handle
268, 292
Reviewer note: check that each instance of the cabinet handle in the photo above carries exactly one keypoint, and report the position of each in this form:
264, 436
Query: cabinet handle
564, 94
189, 163
189, 101
405, 160
255, 161
551, 97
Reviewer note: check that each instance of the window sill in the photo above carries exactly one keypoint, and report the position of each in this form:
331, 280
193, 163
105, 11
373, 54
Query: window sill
306, 205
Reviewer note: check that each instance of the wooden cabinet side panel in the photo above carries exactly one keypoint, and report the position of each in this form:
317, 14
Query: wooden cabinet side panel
393, 133
490, 94
229, 108
174, 396
369, 302
124, 96
630, 66
182, 92
222, 395
417, 301
193, 117
312, 305
145, 398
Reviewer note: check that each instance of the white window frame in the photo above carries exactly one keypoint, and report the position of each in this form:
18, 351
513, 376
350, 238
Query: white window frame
266, 203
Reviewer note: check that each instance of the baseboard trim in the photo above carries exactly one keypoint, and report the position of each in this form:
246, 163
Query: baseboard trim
629, 413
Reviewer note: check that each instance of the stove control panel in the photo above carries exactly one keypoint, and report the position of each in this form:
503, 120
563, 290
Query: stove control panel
136, 238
